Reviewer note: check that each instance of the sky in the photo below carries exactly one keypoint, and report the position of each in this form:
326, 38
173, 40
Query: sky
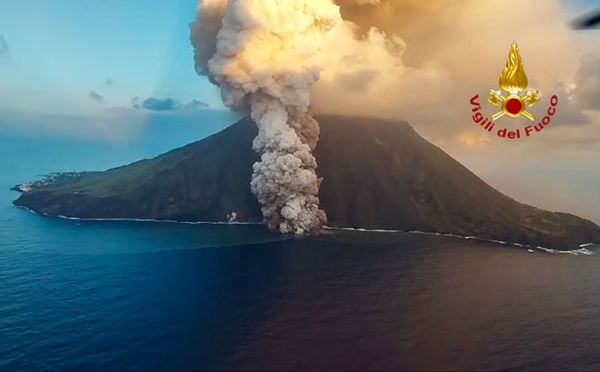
72, 55
102, 69
59, 51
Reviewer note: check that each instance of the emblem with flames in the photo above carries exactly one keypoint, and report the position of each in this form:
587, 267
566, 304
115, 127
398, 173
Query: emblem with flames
513, 80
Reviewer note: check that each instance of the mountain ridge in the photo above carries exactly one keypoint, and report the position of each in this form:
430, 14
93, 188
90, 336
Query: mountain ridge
377, 174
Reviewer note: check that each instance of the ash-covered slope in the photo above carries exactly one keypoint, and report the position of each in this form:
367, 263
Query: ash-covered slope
377, 174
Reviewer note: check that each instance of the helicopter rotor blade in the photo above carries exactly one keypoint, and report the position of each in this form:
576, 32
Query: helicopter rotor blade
588, 21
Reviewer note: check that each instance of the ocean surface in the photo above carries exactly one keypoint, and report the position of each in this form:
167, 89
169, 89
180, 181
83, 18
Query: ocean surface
105, 295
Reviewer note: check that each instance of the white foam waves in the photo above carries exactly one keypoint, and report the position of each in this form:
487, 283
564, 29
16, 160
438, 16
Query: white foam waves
139, 219
581, 251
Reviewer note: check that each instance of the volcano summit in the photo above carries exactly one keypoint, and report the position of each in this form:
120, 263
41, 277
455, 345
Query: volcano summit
376, 174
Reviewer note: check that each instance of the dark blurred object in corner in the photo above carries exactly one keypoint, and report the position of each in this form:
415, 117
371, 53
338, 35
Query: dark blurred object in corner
590, 20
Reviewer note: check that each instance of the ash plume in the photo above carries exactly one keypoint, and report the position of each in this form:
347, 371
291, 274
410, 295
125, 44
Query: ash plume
265, 57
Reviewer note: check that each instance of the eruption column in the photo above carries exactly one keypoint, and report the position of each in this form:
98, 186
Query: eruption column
263, 55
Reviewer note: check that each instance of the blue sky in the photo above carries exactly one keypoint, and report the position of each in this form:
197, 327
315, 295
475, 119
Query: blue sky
60, 50
578, 5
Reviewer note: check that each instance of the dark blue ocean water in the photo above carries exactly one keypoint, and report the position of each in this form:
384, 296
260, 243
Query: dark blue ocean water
84, 295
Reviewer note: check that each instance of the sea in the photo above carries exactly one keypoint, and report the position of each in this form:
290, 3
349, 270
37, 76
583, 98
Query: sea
132, 295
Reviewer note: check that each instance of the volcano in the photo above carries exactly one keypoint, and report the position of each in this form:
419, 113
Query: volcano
377, 174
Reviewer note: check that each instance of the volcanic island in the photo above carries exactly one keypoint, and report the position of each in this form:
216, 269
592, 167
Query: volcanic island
377, 174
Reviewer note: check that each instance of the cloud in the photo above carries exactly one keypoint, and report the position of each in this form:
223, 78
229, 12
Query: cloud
158, 104
195, 105
108, 81
568, 112
203, 34
3, 45
166, 104
135, 102
94, 96
364, 2
586, 90
422, 62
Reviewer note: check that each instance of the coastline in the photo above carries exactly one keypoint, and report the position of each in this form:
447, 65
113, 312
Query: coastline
582, 250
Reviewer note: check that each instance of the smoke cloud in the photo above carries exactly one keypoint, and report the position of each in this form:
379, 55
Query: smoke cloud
421, 60
265, 55
414, 60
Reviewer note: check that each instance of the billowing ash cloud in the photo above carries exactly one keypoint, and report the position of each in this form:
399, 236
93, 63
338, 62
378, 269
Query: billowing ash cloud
417, 60
264, 56
204, 33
